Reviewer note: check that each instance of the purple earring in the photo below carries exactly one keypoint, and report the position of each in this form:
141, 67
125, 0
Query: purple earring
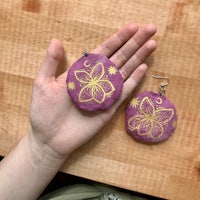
151, 117
94, 82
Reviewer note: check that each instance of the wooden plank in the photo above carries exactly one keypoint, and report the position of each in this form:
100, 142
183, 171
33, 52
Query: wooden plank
170, 169
104, 170
15, 98
100, 13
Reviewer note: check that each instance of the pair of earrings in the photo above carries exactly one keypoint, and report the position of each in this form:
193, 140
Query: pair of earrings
94, 83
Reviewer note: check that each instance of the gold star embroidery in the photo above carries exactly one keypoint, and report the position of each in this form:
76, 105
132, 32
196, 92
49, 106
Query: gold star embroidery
174, 123
71, 85
112, 70
134, 102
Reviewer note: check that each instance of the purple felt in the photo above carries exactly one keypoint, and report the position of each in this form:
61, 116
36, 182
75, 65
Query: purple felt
94, 83
150, 118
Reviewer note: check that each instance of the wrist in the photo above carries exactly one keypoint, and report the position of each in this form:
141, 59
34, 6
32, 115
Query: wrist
42, 155
29, 164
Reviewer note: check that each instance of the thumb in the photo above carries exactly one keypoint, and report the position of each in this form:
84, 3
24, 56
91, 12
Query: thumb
54, 56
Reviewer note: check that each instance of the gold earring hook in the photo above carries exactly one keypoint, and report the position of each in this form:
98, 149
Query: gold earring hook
163, 85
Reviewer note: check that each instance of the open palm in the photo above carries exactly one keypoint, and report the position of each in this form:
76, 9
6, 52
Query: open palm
55, 120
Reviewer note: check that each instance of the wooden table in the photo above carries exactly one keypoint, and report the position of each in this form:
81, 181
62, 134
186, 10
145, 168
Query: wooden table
171, 169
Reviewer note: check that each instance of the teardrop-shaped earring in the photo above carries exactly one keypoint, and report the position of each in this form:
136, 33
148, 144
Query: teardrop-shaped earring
151, 117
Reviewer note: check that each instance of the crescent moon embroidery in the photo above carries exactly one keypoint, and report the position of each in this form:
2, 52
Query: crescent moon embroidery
86, 64
158, 100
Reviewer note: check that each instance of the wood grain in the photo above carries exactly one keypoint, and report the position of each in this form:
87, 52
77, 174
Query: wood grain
170, 170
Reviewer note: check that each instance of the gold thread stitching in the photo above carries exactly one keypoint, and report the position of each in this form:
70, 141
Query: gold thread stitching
150, 121
96, 86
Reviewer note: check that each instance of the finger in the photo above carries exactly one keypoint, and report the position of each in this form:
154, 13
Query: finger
117, 40
134, 43
54, 56
131, 83
138, 58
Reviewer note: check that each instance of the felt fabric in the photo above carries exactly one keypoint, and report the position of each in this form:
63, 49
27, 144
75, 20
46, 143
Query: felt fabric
150, 117
94, 82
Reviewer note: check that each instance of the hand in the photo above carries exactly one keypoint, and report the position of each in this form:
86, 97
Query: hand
58, 127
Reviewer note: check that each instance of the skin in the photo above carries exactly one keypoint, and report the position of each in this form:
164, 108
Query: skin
57, 126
